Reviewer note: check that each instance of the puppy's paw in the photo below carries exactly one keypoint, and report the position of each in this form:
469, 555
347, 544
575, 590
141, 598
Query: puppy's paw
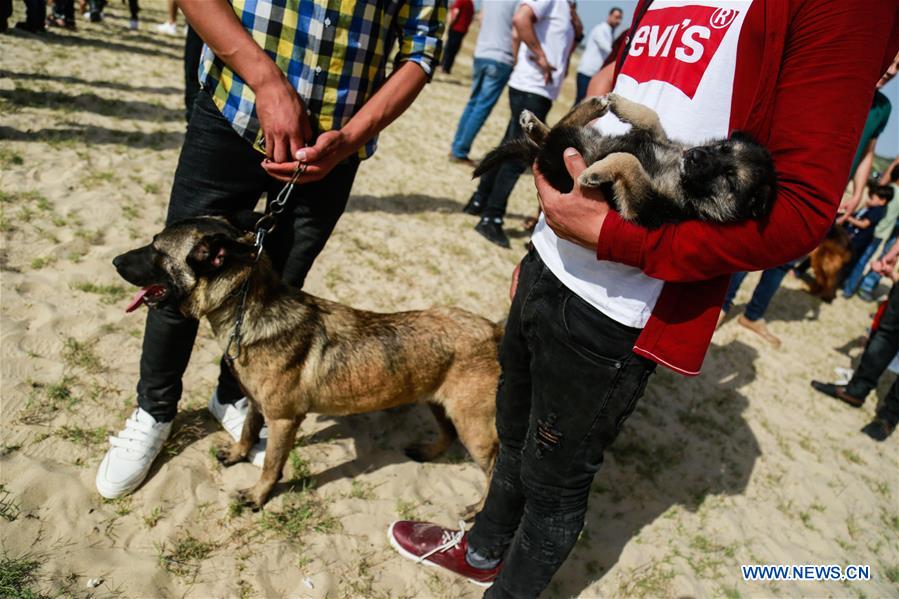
527, 120
230, 454
246, 498
592, 178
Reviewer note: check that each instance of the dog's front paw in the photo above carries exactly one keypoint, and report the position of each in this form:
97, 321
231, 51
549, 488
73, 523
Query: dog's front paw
230, 454
527, 120
246, 498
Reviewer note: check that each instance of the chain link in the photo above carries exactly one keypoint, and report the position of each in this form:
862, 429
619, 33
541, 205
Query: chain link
264, 226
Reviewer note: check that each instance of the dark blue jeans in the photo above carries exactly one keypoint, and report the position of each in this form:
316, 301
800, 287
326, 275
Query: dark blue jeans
219, 172
496, 185
582, 82
872, 279
488, 79
856, 268
569, 381
763, 294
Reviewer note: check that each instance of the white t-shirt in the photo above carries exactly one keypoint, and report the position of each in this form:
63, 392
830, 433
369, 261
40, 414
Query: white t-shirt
681, 64
555, 32
597, 48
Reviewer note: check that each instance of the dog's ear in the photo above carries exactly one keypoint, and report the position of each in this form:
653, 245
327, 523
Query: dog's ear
245, 220
213, 252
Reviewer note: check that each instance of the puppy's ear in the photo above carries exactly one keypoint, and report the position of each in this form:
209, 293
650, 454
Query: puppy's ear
761, 201
213, 252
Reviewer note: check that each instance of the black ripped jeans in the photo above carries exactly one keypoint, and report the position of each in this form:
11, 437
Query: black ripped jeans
219, 172
570, 380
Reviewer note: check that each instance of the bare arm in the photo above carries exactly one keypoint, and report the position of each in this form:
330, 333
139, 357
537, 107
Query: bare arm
601, 82
861, 223
280, 110
389, 102
859, 182
523, 21
885, 177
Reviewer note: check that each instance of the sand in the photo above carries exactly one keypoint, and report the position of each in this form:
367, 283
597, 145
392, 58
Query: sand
741, 465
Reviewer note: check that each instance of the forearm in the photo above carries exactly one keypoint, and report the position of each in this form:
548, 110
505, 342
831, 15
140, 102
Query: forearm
216, 23
885, 177
389, 102
860, 178
524, 25
601, 82
861, 223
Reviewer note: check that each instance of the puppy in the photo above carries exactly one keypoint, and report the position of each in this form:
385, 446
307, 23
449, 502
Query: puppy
650, 179
828, 261
302, 354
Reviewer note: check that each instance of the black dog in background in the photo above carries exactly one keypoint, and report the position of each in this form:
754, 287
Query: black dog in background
650, 179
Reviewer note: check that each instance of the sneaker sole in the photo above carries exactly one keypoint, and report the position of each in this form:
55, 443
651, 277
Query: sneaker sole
411, 556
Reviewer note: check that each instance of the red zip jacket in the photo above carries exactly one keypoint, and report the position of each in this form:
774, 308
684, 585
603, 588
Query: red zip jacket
803, 85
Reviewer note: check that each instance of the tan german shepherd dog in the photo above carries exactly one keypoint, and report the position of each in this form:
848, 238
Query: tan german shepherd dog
302, 354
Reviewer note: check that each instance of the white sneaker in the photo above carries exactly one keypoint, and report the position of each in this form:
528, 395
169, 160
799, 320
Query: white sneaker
133, 24
231, 417
132, 452
167, 28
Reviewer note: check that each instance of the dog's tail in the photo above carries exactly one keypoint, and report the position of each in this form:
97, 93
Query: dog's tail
518, 149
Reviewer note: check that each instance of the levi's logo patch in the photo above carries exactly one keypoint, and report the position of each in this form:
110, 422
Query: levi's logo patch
676, 45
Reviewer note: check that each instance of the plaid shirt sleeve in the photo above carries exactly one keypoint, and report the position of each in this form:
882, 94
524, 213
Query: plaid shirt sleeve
421, 24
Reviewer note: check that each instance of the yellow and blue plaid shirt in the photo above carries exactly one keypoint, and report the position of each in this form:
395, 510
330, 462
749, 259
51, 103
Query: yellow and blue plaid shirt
334, 53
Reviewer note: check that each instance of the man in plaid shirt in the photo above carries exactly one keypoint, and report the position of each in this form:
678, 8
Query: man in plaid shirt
283, 81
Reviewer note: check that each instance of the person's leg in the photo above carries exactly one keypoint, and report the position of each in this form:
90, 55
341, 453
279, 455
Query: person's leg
218, 172
764, 292
585, 383
736, 280
478, 70
872, 279
453, 43
494, 76
172, 9
5, 14
304, 228
496, 523
582, 82
857, 268
134, 9
193, 48
880, 351
507, 174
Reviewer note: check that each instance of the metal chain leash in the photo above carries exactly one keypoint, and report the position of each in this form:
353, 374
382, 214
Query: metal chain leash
264, 226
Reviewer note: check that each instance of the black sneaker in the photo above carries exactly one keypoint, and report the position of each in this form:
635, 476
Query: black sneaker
879, 429
30, 27
475, 205
493, 232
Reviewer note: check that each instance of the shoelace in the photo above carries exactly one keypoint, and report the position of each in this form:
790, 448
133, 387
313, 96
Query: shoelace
448, 540
136, 437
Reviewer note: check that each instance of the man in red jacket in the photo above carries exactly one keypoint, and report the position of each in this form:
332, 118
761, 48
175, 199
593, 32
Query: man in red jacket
601, 301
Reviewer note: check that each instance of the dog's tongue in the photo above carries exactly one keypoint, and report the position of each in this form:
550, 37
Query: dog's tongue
138, 299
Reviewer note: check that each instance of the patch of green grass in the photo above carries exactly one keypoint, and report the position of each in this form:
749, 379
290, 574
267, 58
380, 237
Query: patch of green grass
95, 179
109, 294
300, 467
77, 354
892, 573
42, 261
10, 158
18, 577
361, 490
730, 593
130, 212
406, 510
302, 512
89, 438
45, 400
185, 554
153, 518
852, 457
9, 509
121, 506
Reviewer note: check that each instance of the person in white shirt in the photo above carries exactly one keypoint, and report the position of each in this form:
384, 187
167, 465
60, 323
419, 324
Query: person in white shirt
548, 29
597, 48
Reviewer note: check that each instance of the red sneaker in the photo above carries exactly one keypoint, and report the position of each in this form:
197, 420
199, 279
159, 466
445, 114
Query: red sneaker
434, 545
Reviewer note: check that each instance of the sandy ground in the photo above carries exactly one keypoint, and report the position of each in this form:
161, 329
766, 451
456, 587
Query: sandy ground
741, 465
